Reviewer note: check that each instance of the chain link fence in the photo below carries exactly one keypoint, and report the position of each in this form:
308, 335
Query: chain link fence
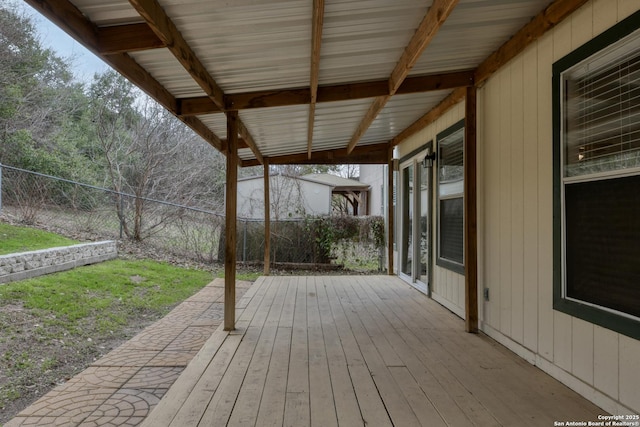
88, 212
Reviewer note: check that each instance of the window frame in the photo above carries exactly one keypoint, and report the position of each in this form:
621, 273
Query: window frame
447, 263
603, 316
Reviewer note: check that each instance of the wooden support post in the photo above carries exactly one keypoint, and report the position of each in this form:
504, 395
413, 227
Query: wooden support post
267, 219
390, 212
231, 218
470, 213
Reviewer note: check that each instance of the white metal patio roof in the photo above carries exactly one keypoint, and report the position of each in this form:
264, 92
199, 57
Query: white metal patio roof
314, 81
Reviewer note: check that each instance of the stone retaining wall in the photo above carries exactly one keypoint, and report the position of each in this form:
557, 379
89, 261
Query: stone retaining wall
25, 265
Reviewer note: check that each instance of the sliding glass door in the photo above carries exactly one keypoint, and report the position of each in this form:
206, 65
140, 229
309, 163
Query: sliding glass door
406, 265
415, 219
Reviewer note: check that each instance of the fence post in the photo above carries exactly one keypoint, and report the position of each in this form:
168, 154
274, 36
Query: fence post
0, 187
244, 242
121, 214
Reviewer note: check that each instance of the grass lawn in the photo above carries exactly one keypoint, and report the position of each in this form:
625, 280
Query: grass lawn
53, 326
21, 239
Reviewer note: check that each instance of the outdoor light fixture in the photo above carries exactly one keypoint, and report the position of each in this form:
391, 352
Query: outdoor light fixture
428, 160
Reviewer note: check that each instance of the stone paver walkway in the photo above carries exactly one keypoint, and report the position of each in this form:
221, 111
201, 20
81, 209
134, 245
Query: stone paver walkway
122, 388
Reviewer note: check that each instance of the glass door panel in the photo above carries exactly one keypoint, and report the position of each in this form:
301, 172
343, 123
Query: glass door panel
424, 223
407, 221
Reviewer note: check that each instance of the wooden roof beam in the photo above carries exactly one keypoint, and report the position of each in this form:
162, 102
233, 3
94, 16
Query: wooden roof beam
364, 154
197, 106
127, 38
166, 30
246, 135
540, 24
544, 21
241, 144
69, 19
316, 42
333, 93
428, 28
452, 99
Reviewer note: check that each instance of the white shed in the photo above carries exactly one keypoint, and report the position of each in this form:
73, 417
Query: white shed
290, 197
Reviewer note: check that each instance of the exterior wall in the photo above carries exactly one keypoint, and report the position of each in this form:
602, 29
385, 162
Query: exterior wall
516, 223
26, 265
374, 175
290, 198
447, 287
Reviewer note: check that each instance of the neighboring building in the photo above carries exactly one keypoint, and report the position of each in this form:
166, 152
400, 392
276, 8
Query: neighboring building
558, 137
295, 197
375, 176
355, 193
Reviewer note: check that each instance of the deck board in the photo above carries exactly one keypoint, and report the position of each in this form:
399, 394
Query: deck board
358, 350
345, 400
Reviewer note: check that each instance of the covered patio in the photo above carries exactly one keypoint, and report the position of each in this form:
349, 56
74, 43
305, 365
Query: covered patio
357, 82
358, 350
313, 82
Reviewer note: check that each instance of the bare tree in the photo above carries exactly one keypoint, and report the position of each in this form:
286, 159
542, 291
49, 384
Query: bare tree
150, 154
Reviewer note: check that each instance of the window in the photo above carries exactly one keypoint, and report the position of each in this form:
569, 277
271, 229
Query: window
597, 177
450, 191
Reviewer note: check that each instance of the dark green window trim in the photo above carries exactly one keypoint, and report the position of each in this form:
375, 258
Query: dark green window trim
604, 318
443, 262
423, 148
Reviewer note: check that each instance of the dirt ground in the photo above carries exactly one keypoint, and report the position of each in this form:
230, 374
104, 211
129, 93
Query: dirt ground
34, 359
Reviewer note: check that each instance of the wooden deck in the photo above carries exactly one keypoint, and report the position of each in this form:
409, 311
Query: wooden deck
355, 350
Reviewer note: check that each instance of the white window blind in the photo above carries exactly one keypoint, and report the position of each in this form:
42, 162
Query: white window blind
602, 111
451, 159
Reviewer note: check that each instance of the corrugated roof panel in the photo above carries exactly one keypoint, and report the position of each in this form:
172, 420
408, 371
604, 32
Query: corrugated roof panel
108, 12
166, 69
217, 123
474, 30
364, 39
278, 130
336, 122
248, 45
246, 154
399, 113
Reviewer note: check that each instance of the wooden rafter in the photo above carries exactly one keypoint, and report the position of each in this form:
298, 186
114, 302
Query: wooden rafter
127, 38
166, 30
452, 99
540, 24
316, 42
68, 18
365, 154
431, 23
331, 93
241, 144
246, 135
551, 16
197, 106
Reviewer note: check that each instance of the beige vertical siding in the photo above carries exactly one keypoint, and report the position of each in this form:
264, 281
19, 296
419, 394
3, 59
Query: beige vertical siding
515, 217
516, 223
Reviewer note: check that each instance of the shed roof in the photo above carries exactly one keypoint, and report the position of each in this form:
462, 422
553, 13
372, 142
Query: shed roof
337, 182
323, 81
